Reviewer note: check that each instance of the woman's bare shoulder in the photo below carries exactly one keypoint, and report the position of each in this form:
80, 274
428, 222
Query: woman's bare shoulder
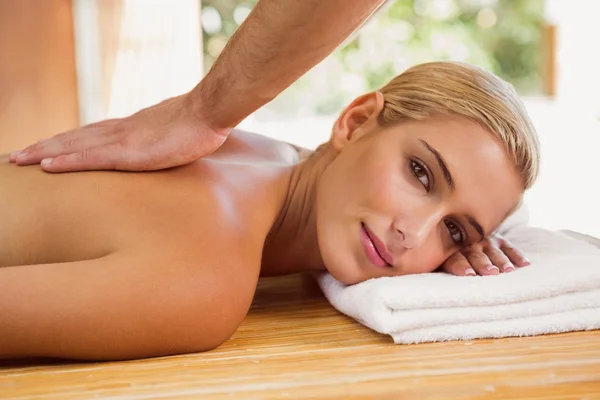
260, 147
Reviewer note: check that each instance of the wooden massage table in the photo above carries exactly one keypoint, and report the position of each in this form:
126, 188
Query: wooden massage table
294, 345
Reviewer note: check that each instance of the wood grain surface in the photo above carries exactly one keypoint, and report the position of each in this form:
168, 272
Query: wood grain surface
294, 345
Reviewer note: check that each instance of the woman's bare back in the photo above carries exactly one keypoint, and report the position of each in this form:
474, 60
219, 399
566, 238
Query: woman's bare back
120, 265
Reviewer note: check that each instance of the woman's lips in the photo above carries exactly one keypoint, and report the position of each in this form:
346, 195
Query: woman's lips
374, 248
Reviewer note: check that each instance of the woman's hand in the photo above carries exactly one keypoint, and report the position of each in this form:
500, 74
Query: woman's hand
491, 256
166, 135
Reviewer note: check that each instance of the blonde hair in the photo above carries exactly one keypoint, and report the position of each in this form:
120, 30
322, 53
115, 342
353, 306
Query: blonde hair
453, 88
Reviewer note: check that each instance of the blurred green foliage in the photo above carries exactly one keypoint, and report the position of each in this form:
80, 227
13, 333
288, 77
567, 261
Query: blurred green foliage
502, 36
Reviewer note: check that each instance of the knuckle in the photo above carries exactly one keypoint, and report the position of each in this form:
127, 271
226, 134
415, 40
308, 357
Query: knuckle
495, 246
500, 259
478, 257
461, 265
475, 247
473, 251
59, 136
31, 149
84, 155
69, 144
494, 251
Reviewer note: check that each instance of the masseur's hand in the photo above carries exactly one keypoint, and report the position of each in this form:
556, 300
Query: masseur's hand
136, 143
491, 256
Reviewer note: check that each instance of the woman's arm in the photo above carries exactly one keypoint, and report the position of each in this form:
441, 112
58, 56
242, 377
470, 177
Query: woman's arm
279, 41
117, 307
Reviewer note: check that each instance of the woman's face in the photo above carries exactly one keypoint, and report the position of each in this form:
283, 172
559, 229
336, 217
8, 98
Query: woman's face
402, 199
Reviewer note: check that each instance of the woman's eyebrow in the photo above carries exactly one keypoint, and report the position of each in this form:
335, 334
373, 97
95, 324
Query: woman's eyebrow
440, 160
450, 182
476, 225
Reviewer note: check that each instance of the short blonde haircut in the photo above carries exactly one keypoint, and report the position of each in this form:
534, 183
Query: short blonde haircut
453, 88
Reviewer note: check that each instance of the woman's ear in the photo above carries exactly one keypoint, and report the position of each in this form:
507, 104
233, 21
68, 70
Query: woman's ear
354, 120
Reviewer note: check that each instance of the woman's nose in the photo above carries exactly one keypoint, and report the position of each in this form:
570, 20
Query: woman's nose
414, 231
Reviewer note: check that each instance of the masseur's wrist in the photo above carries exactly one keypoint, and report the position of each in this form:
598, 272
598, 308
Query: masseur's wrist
225, 96
204, 110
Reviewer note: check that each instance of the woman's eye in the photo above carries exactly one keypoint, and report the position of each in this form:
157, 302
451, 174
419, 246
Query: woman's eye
455, 232
421, 173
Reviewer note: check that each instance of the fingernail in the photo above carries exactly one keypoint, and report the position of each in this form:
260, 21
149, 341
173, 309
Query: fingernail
22, 154
525, 261
508, 267
470, 272
493, 270
47, 161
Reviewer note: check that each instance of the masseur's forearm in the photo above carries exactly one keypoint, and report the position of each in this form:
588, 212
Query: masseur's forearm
279, 41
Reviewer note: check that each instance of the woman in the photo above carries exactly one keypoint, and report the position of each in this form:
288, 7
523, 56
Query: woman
127, 265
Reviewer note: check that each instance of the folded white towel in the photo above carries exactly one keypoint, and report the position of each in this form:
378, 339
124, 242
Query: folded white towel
558, 292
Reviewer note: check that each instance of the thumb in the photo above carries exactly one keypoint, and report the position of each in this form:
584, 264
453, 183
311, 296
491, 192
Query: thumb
94, 159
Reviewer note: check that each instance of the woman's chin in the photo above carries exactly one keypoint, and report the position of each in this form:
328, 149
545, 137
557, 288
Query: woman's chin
346, 275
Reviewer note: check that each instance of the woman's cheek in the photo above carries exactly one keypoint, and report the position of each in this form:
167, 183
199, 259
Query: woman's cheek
394, 184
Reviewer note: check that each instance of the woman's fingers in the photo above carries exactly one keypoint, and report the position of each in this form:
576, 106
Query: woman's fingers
470, 263
515, 256
457, 264
499, 259
491, 256
480, 262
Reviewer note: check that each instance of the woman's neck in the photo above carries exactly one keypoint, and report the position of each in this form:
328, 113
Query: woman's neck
291, 245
